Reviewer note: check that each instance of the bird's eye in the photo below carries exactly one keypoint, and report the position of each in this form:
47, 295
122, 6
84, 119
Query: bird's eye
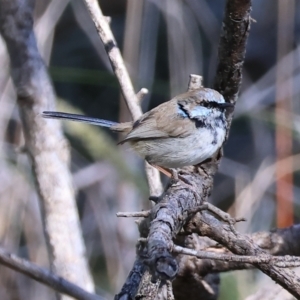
219, 105
210, 104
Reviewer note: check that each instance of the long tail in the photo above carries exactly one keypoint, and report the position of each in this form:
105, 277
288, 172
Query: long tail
78, 118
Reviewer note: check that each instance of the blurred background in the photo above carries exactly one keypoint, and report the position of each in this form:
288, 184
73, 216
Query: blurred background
162, 41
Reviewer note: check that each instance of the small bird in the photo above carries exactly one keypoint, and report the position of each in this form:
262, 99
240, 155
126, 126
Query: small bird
183, 131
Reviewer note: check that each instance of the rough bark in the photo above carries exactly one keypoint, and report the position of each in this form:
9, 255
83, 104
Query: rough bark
207, 225
171, 213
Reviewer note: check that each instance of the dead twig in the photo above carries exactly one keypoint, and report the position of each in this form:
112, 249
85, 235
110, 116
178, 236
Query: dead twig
131, 98
137, 214
286, 261
205, 224
44, 276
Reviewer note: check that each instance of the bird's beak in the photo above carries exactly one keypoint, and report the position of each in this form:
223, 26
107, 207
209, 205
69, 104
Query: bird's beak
226, 105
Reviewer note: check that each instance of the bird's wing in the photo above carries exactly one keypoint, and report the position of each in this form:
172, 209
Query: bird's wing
161, 122
144, 128
176, 126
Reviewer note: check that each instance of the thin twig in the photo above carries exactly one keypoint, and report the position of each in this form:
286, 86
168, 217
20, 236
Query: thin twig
132, 100
195, 82
44, 276
115, 57
136, 214
280, 261
141, 94
207, 225
222, 215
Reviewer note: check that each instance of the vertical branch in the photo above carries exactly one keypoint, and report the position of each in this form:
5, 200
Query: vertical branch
284, 183
45, 144
121, 72
170, 215
115, 57
232, 48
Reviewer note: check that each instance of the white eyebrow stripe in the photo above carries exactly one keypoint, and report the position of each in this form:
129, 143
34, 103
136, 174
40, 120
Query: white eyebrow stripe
199, 111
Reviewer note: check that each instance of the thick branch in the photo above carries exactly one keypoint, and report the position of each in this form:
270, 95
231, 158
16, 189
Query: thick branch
131, 285
232, 48
276, 242
172, 212
207, 225
285, 241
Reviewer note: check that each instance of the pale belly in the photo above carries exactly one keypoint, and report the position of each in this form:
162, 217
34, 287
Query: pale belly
180, 152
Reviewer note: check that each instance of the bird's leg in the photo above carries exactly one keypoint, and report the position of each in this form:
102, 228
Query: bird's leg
171, 173
163, 170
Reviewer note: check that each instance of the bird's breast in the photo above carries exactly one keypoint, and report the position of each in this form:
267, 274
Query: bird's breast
176, 152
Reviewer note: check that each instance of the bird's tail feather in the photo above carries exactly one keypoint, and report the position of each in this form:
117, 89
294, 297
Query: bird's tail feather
78, 118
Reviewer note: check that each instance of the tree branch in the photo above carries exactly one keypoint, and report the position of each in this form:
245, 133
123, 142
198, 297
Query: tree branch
282, 242
171, 213
44, 276
232, 48
132, 100
207, 225
279, 261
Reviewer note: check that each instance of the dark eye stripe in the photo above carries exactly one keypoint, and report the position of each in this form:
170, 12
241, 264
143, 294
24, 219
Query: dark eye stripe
182, 111
199, 123
214, 104
210, 104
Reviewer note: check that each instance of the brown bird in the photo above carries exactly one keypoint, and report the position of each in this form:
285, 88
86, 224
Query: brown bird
183, 131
